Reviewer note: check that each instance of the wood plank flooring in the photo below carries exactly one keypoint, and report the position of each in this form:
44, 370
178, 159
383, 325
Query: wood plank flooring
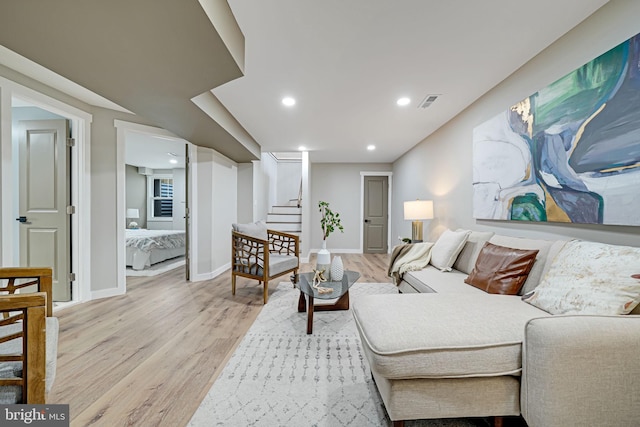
149, 357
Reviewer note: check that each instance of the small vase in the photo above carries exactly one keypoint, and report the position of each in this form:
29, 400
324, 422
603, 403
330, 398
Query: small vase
324, 260
337, 269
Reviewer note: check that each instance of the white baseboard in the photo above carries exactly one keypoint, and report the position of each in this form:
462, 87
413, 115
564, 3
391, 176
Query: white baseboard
210, 275
106, 293
338, 251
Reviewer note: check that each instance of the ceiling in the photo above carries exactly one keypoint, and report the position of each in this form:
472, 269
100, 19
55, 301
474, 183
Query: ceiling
347, 62
181, 64
154, 152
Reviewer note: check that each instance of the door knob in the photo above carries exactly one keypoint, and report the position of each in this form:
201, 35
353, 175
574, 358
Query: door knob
366, 220
23, 220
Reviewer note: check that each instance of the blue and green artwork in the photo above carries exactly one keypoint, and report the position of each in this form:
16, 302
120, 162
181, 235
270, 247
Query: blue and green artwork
568, 153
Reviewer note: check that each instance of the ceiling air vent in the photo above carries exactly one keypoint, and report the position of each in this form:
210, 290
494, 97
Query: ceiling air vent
427, 101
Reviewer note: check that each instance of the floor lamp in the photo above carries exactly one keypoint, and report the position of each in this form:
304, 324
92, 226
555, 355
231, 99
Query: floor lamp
417, 211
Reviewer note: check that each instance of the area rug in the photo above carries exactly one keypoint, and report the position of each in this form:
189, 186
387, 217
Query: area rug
280, 376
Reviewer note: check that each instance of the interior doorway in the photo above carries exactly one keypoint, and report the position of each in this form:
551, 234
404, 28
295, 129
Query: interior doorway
152, 201
43, 209
376, 190
376, 208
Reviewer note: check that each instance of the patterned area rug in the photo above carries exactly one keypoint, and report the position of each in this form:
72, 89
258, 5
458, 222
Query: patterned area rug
280, 376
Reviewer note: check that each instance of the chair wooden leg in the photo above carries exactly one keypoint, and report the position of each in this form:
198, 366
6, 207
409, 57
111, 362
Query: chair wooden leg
399, 423
266, 291
498, 421
233, 284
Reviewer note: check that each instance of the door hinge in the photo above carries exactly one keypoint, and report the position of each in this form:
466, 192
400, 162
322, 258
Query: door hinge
71, 210
72, 277
71, 142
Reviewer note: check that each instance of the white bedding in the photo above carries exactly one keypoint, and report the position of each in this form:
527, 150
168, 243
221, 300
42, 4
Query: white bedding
146, 247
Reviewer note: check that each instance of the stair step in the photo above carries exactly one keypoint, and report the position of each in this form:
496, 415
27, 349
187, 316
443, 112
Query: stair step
284, 226
284, 217
286, 210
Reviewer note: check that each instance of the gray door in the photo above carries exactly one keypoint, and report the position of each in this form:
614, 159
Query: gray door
44, 197
375, 214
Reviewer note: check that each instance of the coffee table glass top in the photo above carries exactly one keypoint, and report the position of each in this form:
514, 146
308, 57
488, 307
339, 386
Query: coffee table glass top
339, 288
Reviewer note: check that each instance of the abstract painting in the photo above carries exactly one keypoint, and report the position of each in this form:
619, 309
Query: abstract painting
568, 153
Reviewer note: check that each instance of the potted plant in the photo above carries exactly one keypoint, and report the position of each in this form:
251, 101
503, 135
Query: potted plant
330, 222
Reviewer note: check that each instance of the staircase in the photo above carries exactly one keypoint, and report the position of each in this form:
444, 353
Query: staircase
285, 218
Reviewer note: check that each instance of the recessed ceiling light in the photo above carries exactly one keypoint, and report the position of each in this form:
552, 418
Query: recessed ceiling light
371, 147
302, 148
288, 101
173, 161
403, 101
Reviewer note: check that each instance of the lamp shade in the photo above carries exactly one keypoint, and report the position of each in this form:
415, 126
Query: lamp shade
133, 213
418, 210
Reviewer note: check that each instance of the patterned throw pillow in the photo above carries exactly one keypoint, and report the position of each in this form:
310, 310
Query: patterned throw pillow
590, 278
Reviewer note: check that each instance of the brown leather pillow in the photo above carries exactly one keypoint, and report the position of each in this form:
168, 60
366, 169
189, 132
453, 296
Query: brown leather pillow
501, 270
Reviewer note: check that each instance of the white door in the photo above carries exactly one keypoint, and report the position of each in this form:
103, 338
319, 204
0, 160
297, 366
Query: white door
44, 197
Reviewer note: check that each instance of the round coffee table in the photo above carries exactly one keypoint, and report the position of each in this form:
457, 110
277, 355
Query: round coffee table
303, 282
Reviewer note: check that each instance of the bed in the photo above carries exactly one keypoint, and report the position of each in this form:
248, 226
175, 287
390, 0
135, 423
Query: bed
148, 247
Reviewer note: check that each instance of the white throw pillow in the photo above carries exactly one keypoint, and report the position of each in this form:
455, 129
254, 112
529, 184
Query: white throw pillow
447, 247
590, 278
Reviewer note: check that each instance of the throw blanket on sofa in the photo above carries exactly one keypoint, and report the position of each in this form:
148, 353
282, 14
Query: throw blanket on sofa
409, 257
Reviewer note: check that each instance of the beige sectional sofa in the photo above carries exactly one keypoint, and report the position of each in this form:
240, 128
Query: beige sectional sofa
442, 348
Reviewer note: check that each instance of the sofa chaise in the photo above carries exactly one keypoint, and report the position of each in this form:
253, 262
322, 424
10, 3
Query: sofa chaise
445, 348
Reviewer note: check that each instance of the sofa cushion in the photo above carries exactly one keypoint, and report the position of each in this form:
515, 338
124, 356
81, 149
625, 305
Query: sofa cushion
547, 249
590, 278
279, 263
256, 229
501, 270
443, 335
447, 247
431, 280
467, 258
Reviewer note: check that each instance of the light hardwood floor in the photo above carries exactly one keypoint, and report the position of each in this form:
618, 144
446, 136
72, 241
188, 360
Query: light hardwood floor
149, 357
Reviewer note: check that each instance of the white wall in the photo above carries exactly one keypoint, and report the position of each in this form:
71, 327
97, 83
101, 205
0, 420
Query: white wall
339, 184
288, 181
202, 205
245, 193
265, 175
214, 205
440, 167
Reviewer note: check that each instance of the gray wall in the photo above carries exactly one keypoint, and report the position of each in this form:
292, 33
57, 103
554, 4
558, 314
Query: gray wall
103, 196
339, 184
136, 198
440, 167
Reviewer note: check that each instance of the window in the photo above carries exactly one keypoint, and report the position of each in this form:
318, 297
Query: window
160, 190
